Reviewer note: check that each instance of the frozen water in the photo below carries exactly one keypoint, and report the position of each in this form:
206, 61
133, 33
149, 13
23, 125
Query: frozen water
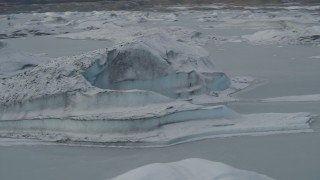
190, 169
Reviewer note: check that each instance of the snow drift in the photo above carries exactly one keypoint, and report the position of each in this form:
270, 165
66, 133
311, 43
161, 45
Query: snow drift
190, 169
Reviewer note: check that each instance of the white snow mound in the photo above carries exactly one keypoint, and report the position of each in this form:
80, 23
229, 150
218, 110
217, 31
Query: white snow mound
190, 169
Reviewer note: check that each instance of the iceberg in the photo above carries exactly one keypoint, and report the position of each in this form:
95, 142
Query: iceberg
131, 87
190, 169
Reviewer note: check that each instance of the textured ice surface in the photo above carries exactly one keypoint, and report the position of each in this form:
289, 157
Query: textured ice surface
190, 169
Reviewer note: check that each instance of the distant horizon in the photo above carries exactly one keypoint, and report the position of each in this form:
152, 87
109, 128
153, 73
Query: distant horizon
164, 1
22, 6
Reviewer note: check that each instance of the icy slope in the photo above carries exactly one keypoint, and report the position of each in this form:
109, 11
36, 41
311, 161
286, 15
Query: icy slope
190, 169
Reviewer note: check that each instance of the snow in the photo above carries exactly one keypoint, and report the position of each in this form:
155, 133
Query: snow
301, 98
190, 169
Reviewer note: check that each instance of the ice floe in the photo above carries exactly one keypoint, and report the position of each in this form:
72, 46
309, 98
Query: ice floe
190, 169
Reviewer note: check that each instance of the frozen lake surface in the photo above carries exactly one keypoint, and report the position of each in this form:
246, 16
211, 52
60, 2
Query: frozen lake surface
280, 69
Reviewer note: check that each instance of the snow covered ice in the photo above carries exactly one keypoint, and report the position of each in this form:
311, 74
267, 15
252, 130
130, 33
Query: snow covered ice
193, 169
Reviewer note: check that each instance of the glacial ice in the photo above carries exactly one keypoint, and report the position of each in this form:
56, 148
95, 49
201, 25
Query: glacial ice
114, 90
190, 169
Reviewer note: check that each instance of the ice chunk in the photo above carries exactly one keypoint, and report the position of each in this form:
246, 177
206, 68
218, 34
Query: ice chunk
190, 169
